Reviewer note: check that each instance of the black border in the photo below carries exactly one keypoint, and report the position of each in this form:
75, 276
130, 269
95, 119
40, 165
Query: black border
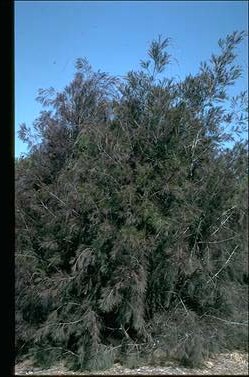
7, 185
7, 198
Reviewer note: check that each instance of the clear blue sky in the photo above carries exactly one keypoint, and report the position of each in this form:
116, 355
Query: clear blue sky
113, 36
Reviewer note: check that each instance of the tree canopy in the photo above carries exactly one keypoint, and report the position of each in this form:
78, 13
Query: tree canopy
131, 216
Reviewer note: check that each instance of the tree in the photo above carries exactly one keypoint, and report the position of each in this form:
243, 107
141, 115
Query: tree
129, 206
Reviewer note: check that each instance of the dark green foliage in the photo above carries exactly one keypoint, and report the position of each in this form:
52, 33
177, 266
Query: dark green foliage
131, 218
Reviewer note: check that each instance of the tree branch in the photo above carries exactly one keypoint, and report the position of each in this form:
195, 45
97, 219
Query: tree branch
230, 256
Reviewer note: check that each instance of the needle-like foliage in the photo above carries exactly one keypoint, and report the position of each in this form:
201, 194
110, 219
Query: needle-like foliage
131, 216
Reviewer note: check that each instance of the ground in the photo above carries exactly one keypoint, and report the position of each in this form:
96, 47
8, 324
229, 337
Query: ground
235, 363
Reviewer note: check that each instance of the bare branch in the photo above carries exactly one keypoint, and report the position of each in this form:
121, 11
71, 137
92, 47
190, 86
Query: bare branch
228, 322
230, 256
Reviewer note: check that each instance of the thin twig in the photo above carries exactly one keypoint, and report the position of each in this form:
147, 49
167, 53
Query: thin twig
221, 224
196, 235
227, 239
51, 348
44, 206
226, 321
61, 201
70, 323
25, 255
230, 256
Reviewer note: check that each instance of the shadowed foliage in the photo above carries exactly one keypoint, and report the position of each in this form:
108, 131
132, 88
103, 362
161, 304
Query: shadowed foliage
131, 217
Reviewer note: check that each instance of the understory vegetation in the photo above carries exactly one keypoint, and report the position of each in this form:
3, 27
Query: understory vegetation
131, 217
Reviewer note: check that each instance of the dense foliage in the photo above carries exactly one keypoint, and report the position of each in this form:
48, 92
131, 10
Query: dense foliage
131, 216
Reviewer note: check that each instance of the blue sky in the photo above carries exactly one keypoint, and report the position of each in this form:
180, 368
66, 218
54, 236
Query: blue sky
113, 36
